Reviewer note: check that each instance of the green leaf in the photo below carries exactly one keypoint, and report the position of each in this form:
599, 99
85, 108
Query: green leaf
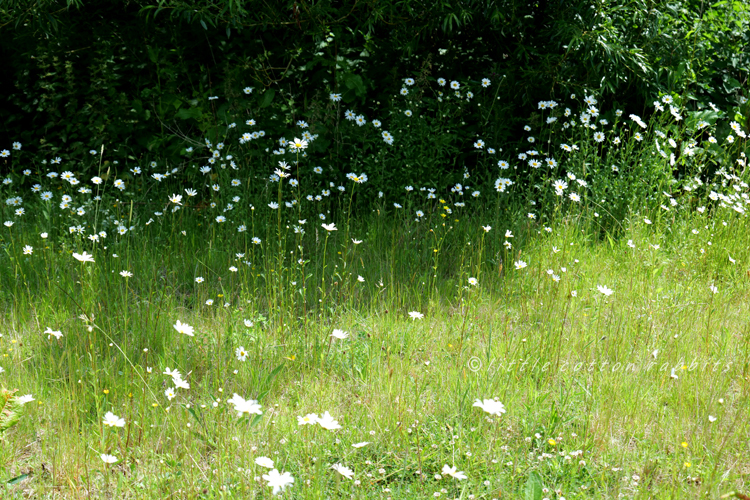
267, 98
355, 83
186, 114
533, 489
153, 54
18, 479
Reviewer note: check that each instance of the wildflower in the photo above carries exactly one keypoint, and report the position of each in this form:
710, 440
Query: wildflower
326, 421
473, 281
241, 353
339, 334
112, 420
84, 257
298, 144
50, 332
184, 328
169, 393
278, 481
264, 462
335, 97
309, 419
560, 186
126, 274
604, 290
416, 315
108, 459
455, 85
344, 471
491, 406
453, 472
329, 227
241, 405
485, 82
520, 264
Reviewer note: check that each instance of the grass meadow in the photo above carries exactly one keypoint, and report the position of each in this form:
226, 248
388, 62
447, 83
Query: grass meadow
206, 338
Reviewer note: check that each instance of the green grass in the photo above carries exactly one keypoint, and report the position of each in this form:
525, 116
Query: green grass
592, 408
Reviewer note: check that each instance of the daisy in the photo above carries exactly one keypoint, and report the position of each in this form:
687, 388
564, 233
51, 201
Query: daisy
339, 334
309, 419
343, 470
84, 257
184, 328
264, 462
416, 315
326, 421
28, 398
112, 420
240, 353
50, 332
241, 405
491, 406
278, 481
453, 472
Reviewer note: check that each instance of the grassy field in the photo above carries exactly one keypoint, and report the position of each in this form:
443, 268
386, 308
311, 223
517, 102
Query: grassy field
620, 359
571, 329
